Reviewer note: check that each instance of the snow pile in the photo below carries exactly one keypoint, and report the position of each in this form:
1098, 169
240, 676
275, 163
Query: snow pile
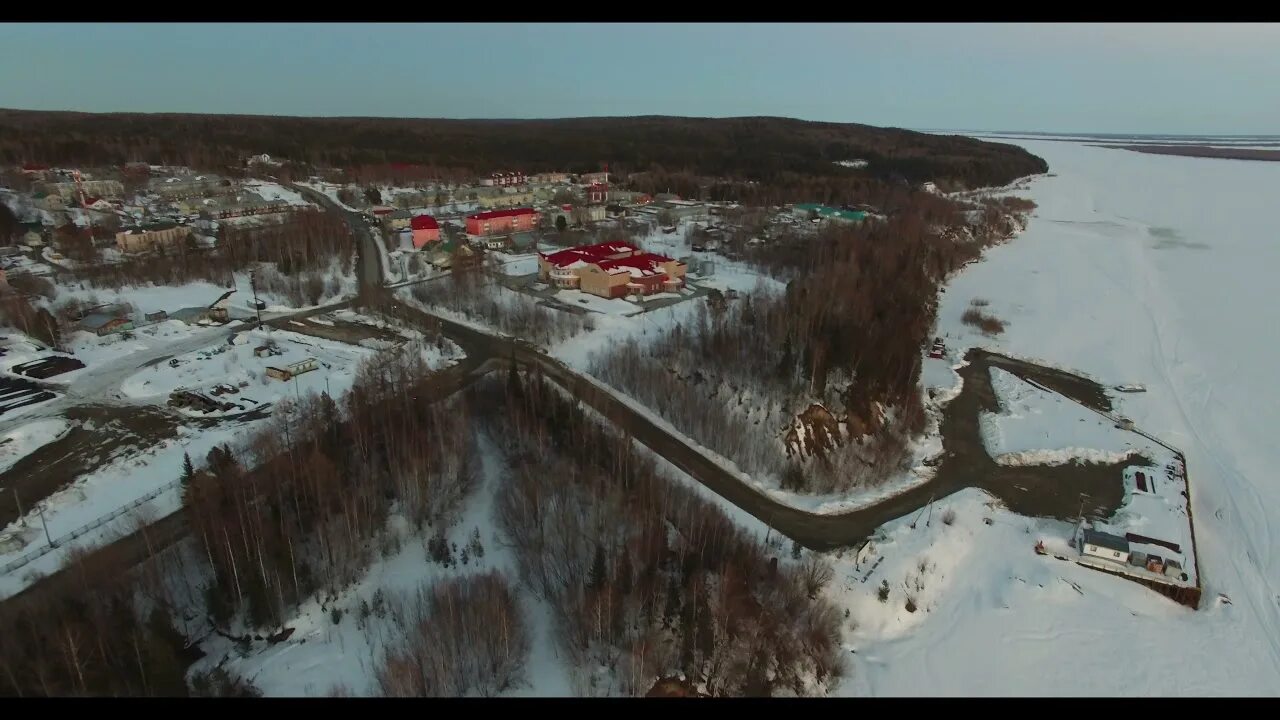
1038, 427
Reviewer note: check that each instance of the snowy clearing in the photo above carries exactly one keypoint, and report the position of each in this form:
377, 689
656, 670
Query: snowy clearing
26, 439
516, 265
236, 364
595, 303
273, 191
1038, 427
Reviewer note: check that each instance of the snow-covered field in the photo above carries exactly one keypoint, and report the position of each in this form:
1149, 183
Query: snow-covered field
111, 486
233, 363
272, 191
26, 439
595, 303
152, 298
508, 264
1135, 268
93, 350
122, 480
1038, 427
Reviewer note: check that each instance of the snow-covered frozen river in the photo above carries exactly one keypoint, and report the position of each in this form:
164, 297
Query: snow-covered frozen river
1147, 269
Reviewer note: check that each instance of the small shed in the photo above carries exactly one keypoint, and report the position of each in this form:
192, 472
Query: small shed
102, 324
261, 351
157, 316
1094, 543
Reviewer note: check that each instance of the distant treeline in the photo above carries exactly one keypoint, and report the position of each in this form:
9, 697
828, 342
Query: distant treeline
765, 150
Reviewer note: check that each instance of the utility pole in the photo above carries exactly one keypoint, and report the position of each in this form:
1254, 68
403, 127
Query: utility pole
21, 517
257, 306
46, 528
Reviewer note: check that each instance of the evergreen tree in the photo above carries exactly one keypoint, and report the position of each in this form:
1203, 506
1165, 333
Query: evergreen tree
795, 550
188, 471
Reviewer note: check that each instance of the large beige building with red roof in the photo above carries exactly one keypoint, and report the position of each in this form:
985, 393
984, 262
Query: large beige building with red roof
611, 270
501, 222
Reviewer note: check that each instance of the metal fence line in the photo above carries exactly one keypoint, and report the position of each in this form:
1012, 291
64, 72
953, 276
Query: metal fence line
86, 528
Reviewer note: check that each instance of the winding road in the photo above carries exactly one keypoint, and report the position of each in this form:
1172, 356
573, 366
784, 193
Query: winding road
964, 462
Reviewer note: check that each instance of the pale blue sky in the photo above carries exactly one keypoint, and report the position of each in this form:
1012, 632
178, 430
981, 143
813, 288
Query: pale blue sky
1159, 78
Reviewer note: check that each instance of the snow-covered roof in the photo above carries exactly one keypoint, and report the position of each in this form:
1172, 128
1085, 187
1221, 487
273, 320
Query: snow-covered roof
1106, 540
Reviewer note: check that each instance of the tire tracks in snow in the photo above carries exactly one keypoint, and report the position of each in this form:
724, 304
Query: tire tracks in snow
1209, 446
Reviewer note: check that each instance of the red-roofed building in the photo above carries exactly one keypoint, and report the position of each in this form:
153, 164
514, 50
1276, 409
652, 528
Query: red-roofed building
597, 193
612, 270
425, 231
501, 222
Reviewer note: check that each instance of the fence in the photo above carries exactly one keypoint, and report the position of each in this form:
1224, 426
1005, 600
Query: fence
83, 529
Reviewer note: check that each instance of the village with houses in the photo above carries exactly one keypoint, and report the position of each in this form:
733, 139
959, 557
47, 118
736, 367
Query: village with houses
213, 357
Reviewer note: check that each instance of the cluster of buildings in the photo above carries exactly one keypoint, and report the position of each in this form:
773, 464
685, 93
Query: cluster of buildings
142, 208
1150, 540
611, 270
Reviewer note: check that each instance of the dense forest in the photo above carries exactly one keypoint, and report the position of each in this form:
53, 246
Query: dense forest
766, 150
643, 574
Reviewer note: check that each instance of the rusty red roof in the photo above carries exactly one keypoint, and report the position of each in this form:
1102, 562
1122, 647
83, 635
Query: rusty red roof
424, 222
